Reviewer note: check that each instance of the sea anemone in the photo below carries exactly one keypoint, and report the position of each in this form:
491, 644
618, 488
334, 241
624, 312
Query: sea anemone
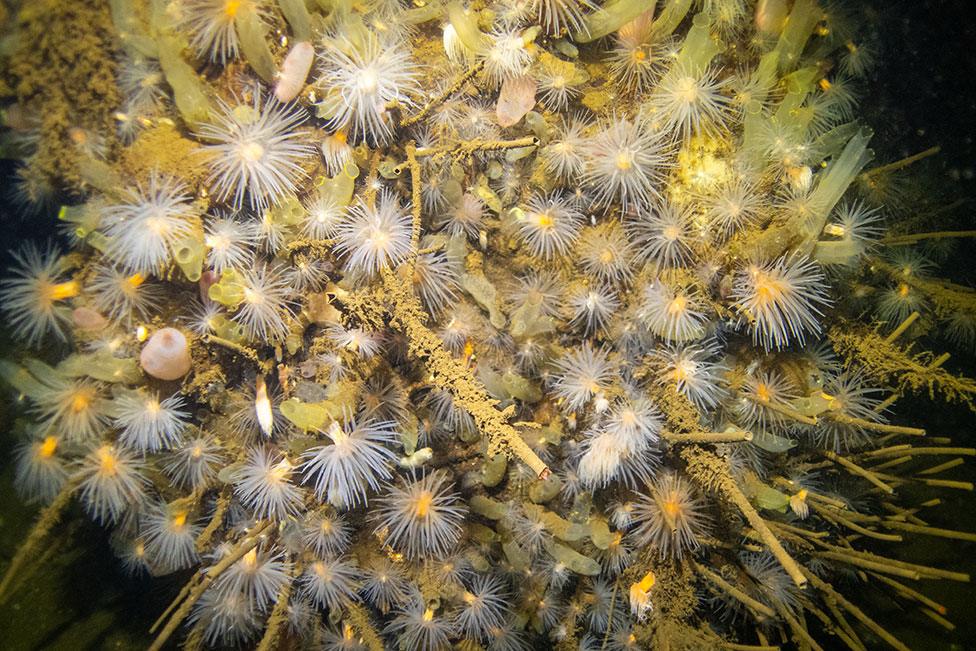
636, 61
672, 312
329, 583
147, 423
559, 15
257, 576
75, 408
39, 471
110, 481
144, 230
580, 375
435, 278
32, 297
169, 535
362, 343
375, 237
226, 618
229, 243
194, 464
606, 253
592, 307
324, 214
896, 303
506, 56
549, 224
385, 583
691, 369
564, 156
781, 300
483, 606
266, 301
356, 461
255, 150
326, 533
417, 626
626, 162
211, 25
538, 291
607, 456
735, 205
361, 80
124, 296
263, 484
689, 104
670, 517
463, 218
665, 235
852, 397
420, 517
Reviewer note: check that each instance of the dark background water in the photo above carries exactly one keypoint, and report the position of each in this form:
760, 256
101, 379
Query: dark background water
922, 94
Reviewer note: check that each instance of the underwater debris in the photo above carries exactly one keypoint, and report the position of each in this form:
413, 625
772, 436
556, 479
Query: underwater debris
499, 325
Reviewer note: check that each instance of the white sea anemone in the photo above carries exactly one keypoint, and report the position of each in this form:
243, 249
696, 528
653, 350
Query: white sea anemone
255, 150
211, 25
32, 297
356, 461
421, 517
781, 300
229, 243
144, 229
361, 81
626, 162
375, 237
582, 374
549, 224
266, 304
110, 481
263, 484
147, 423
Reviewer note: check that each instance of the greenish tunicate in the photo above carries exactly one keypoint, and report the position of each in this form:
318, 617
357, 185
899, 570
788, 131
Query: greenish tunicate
101, 176
101, 365
85, 218
521, 388
390, 169
518, 557
698, 48
297, 16
572, 559
189, 254
600, 533
543, 490
287, 212
466, 26
772, 442
482, 534
253, 36
487, 507
131, 31
770, 499
485, 294
486, 194
307, 416
229, 290
529, 321
609, 18
557, 526
567, 49
341, 186
189, 92
493, 470
21, 379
